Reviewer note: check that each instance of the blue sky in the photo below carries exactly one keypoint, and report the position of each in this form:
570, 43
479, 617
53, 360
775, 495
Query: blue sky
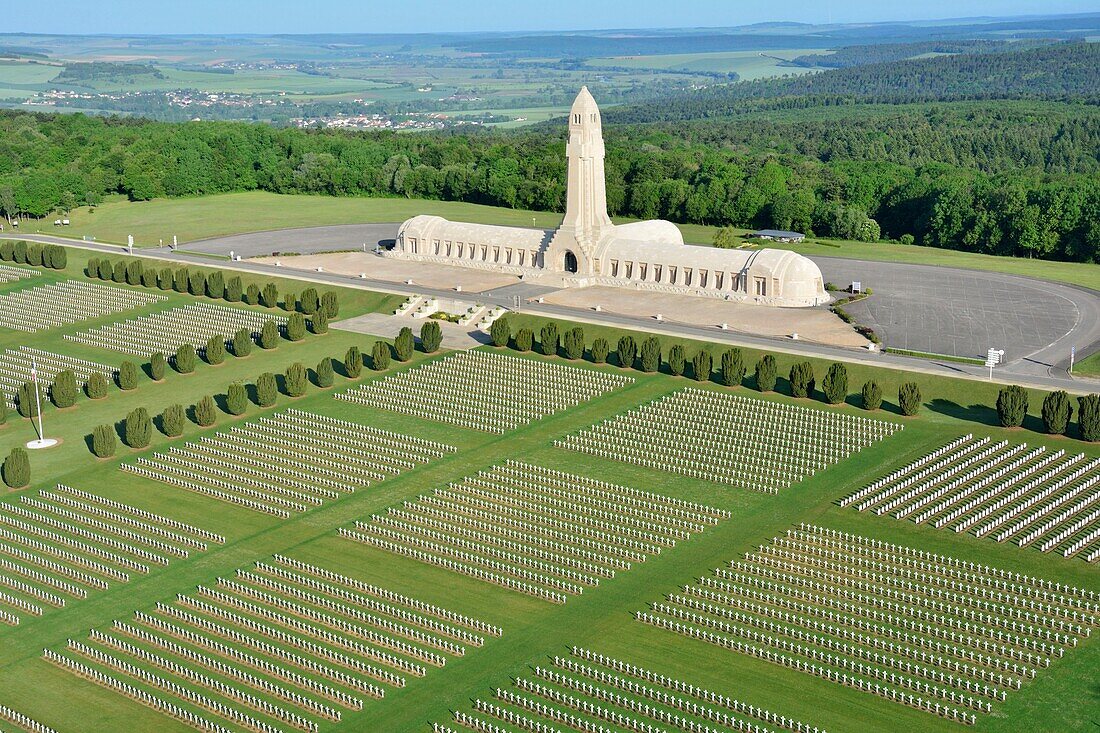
374, 16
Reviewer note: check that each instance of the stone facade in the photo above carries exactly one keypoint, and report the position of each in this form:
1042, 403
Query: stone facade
588, 249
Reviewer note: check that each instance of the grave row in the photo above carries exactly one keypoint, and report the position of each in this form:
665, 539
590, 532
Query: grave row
61, 544
601, 694
166, 331
67, 302
1049, 500
267, 649
15, 369
10, 274
287, 462
485, 390
945, 637
551, 533
727, 438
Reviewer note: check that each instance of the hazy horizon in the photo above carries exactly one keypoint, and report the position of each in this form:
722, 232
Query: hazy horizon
266, 17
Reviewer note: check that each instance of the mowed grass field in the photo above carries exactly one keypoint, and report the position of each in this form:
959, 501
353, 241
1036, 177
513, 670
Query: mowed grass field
1063, 698
153, 222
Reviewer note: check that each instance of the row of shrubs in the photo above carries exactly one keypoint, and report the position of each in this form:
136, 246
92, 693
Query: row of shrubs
137, 428
52, 256
1012, 402
213, 284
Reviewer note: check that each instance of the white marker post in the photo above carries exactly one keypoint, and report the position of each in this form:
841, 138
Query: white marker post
43, 441
1072, 357
993, 358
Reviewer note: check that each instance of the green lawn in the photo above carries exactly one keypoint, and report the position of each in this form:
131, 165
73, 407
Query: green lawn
748, 65
1062, 698
1088, 367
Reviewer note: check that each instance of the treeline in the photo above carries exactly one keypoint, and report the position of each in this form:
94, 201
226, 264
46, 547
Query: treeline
879, 53
796, 175
1060, 71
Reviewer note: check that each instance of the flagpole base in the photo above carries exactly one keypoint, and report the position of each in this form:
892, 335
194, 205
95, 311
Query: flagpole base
42, 443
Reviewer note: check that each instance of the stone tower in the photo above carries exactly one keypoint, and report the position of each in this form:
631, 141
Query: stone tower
586, 221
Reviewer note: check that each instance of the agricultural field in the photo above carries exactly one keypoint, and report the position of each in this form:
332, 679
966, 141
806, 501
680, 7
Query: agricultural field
324, 564
748, 65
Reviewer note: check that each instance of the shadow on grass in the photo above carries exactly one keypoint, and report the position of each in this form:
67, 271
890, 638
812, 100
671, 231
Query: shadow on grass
982, 414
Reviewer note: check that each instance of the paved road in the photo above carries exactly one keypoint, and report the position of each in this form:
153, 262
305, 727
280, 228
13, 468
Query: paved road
1027, 372
306, 240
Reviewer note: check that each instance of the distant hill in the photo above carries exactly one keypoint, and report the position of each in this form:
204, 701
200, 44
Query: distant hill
1062, 71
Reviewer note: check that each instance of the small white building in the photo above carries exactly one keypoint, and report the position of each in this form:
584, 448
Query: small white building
588, 249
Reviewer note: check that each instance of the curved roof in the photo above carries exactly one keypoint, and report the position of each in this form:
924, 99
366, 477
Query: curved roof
427, 228
778, 263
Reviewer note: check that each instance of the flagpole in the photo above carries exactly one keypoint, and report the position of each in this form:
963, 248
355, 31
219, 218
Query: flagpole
37, 398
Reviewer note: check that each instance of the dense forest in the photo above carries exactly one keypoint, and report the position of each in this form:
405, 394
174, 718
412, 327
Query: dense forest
1059, 71
59, 161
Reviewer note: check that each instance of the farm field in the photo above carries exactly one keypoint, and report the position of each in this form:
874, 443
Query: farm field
472, 621
212, 216
748, 65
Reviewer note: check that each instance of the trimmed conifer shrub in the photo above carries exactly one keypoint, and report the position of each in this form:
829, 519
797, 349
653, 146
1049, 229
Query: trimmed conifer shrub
234, 289
186, 359
308, 301
871, 395
269, 335
733, 367
909, 398
296, 327
1057, 411
650, 360
91, 270
17, 468
269, 296
267, 389
21, 252
1012, 406
206, 412
180, 278
164, 278
802, 379
196, 282
118, 274
380, 356
573, 343
404, 344
252, 294
236, 399
7, 251
55, 257
677, 360
548, 339
766, 373
134, 271
324, 373
600, 350
353, 363
525, 339
290, 302
242, 343
215, 285
1088, 417
701, 365
500, 332
626, 351
34, 254
138, 428
96, 386
25, 401
63, 391
296, 380
431, 335
330, 304
215, 350
106, 270
148, 278
104, 441
172, 420
318, 323
835, 383
127, 375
